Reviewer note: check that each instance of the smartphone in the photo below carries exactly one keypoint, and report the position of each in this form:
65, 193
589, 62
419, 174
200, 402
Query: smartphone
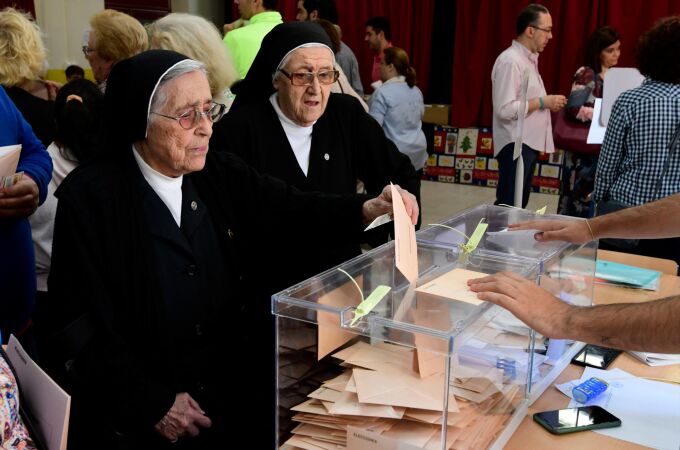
576, 419
595, 356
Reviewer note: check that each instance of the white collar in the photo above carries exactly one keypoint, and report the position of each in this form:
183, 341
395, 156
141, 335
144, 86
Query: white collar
397, 79
169, 189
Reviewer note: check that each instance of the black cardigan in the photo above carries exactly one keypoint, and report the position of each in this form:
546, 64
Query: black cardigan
102, 266
347, 145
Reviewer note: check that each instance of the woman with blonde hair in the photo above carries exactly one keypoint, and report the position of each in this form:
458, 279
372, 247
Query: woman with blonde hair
22, 61
198, 39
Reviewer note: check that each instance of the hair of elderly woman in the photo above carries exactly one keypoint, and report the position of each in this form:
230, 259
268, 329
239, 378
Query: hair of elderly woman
160, 96
22, 52
399, 59
602, 38
198, 39
658, 49
118, 36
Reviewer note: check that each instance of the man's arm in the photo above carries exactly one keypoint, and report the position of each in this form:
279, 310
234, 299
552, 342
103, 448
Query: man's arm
650, 326
655, 220
506, 84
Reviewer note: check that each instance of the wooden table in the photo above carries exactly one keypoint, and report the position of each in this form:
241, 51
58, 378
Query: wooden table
530, 435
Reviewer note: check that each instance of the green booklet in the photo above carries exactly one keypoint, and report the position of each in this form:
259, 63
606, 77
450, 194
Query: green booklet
609, 272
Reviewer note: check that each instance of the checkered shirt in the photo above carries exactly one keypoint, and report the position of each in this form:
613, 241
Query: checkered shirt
635, 148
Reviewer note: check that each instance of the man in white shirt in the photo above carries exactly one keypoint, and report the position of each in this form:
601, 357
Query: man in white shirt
534, 30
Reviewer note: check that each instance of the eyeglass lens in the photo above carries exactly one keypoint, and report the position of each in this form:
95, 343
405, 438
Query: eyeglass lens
192, 118
307, 78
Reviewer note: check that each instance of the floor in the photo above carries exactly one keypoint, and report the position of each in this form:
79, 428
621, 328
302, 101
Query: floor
443, 200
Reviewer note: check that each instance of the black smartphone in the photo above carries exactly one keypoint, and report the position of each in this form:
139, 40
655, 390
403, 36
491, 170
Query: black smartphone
576, 419
595, 356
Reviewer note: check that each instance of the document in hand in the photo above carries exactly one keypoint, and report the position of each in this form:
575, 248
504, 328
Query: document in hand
405, 248
453, 285
46, 401
9, 159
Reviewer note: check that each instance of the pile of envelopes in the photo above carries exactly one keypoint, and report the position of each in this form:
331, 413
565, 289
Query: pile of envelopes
381, 393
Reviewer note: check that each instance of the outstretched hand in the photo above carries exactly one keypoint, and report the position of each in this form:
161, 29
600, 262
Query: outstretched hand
382, 204
530, 303
575, 231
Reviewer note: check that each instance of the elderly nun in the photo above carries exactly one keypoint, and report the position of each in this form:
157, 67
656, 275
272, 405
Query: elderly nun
149, 247
285, 122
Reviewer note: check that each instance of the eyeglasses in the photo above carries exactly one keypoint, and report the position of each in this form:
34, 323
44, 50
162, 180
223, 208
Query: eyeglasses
546, 30
307, 78
192, 118
87, 50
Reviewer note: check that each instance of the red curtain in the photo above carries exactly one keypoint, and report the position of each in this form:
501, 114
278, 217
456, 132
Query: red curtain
484, 28
411, 22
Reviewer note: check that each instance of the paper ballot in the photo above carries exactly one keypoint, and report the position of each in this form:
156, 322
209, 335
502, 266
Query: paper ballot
405, 248
597, 131
9, 159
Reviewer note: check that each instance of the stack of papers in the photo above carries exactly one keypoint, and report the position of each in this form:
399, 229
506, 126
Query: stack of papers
657, 359
9, 159
381, 395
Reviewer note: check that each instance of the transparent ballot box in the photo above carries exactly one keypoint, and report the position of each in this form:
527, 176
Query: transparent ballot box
429, 367
564, 269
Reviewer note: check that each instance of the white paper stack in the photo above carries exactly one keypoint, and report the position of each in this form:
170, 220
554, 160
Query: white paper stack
657, 359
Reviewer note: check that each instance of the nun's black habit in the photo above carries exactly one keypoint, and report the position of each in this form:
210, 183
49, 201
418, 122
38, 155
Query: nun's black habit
347, 145
160, 309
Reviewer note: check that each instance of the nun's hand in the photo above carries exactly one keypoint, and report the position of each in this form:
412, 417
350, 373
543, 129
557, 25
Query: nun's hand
382, 204
184, 418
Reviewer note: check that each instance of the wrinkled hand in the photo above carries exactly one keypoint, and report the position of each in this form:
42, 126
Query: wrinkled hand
185, 417
530, 303
20, 200
554, 102
575, 231
382, 204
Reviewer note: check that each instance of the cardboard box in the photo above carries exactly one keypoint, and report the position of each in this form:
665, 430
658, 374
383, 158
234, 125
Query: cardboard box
437, 114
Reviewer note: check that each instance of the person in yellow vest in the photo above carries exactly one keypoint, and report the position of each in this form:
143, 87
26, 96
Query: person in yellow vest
244, 41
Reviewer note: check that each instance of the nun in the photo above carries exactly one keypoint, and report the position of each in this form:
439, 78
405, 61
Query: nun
285, 122
150, 244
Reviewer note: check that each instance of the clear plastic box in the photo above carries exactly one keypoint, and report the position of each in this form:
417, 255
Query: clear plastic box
566, 270
430, 367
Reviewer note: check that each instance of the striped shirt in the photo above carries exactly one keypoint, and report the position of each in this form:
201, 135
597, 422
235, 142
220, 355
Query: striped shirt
635, 164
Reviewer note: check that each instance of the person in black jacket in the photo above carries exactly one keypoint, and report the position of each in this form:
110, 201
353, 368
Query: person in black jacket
285, 122
150, 243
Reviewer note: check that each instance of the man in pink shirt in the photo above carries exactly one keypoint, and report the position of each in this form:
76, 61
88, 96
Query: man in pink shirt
379, 37
534, 30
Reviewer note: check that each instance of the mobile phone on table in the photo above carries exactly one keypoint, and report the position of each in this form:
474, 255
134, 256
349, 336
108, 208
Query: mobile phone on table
595, 356
570, 420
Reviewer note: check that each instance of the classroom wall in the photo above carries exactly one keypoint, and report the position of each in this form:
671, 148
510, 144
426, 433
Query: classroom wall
63, 23
210, 9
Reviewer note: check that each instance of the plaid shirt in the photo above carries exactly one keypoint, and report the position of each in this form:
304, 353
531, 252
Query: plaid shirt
635, 152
